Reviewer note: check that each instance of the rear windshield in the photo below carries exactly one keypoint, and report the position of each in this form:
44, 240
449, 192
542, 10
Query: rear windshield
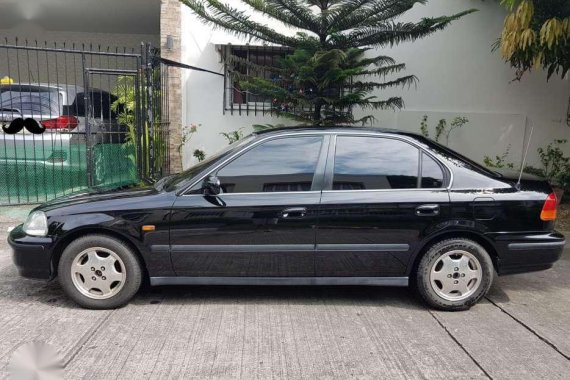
31, 100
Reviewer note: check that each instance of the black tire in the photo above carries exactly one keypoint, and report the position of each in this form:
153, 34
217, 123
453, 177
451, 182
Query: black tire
432, 257
132, 274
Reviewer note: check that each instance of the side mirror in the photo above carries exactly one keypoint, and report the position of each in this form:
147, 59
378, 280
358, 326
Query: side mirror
212, 185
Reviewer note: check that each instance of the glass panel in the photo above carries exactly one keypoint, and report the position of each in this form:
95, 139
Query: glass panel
286, 164
32, 101
432, 175
365, 163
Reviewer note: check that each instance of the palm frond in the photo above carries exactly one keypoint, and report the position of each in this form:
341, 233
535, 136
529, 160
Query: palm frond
395, 33
220, 15
286, 12
408, 80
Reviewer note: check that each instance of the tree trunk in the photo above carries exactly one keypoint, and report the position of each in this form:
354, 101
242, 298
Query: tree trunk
317, 113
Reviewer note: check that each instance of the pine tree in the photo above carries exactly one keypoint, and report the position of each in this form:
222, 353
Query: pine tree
330, 69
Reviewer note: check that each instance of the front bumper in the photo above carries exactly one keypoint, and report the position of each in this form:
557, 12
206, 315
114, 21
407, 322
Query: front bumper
519, 253
31, 255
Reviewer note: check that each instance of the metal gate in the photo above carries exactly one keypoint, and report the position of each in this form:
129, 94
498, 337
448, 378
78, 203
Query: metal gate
79, 117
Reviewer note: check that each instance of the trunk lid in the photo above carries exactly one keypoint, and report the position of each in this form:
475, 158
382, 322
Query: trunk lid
529, 182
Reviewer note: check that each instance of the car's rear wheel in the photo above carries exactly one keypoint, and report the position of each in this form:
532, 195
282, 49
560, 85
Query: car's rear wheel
454, 274
99, 272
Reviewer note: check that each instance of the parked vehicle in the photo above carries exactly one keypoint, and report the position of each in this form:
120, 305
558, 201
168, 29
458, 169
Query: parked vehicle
59, 109
44, 138
301, 206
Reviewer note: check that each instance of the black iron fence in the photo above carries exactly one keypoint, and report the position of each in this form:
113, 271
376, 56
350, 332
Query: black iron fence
79, 117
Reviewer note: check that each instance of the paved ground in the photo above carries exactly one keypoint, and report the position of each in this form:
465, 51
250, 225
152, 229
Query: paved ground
521, 331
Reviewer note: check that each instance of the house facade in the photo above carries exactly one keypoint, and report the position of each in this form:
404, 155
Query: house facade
459, 75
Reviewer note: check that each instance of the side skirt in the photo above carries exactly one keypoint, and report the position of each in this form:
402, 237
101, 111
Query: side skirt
375, 281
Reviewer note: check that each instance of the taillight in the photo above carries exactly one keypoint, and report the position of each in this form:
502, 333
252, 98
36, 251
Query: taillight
62, 122
549, 209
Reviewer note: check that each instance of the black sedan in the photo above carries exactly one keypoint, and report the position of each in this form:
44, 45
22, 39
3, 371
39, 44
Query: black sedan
301, 206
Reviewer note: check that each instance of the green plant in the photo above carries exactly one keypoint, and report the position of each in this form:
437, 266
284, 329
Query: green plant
441, 128
151, 133
233, 136
553, 160
534, 171
555, 165
536, 34
499, 161
199, 154
424, 126
187, 132
331, 69
564, 180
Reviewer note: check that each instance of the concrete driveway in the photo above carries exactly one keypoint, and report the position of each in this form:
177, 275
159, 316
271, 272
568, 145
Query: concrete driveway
520, 331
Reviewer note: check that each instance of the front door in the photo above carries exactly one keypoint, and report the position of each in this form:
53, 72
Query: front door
263, 223
382, 196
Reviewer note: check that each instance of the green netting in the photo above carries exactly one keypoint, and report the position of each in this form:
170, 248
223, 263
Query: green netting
114, 165
37, 173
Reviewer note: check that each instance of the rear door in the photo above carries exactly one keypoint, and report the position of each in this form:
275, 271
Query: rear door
382, 196
263, 224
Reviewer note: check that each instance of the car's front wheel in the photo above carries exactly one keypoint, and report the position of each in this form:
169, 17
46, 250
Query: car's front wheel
99, 272
454, 274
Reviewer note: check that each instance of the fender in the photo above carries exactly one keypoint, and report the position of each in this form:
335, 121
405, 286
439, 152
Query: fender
448, 232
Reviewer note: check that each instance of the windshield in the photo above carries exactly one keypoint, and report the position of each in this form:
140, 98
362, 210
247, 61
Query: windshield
180, 180
31, 100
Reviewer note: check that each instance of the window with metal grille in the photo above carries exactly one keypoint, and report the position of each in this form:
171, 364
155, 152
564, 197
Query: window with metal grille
236, 100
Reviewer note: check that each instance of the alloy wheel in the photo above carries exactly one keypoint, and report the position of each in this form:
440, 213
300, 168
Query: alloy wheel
456, 275
98, 273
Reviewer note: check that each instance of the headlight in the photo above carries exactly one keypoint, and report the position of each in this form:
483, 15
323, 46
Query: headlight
36, 224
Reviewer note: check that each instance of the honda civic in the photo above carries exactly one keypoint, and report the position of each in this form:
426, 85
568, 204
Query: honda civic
301, 206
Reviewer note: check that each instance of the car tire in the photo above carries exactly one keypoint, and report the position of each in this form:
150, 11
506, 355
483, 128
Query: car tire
99, 272
454, 274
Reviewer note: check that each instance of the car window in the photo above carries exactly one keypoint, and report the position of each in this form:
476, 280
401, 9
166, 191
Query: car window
284, 164
432, 175
31, 100
181, 180
369, 163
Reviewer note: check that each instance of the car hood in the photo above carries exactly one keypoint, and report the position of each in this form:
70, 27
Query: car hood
95, 195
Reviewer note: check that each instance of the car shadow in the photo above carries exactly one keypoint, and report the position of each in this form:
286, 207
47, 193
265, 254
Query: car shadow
301, 295
17, 289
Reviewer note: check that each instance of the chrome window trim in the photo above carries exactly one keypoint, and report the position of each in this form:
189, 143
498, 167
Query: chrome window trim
266, 193
407, 139
440, 190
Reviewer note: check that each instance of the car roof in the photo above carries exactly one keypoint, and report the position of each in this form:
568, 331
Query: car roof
333, 129
60, 86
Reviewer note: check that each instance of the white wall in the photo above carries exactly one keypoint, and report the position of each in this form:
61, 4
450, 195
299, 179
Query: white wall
459, 75
33, 32
32, 67
203, 93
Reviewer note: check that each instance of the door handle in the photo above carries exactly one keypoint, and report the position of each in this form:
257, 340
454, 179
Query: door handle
294, 212
427, 210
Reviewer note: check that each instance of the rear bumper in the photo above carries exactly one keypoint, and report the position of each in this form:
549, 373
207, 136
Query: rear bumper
519, 253
31, 255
